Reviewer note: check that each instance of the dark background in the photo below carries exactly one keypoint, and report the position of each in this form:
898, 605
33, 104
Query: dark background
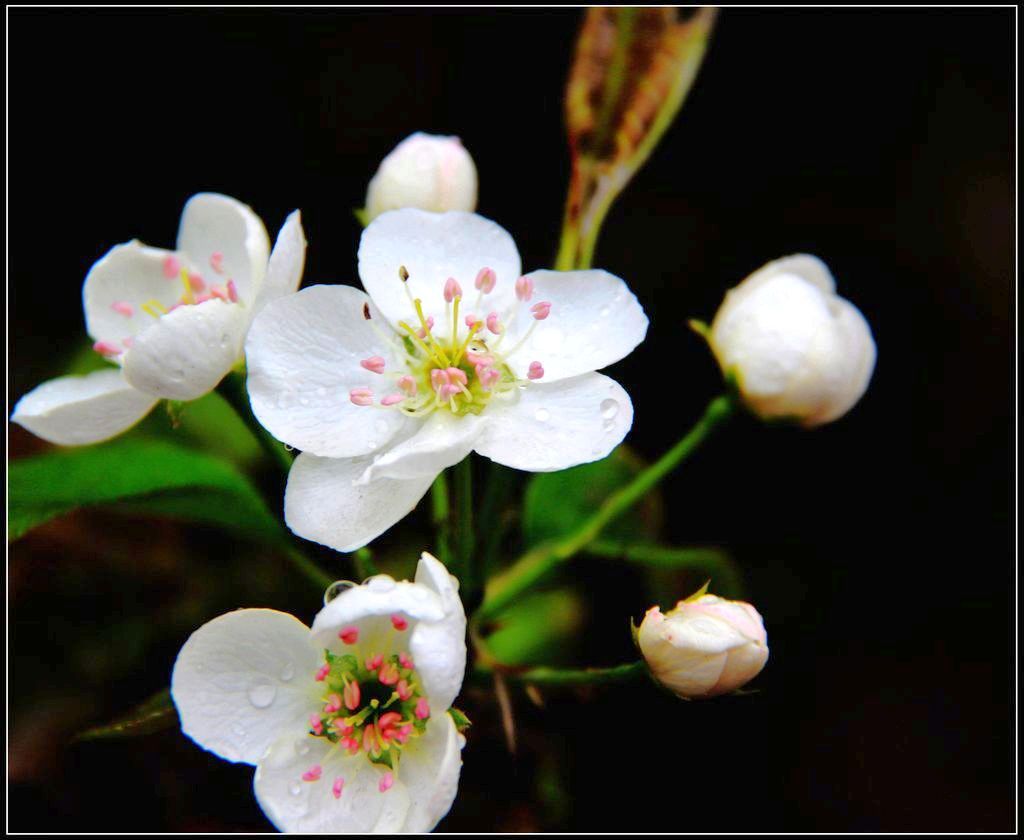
879, 549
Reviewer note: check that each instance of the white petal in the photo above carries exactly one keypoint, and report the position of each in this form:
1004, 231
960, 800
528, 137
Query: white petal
439, 647
303, 353
72, 410
294, 805
243, 679
434, 247
552, 427
284, 271
218, 224
187, 352
380, 596
595, 320
441, 441
741, 666
430, 771
128, 276
322, 502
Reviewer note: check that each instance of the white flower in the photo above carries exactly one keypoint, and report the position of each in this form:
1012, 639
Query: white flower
427, 171
347, 721
706, 646
173, 321
383, 394
796, 348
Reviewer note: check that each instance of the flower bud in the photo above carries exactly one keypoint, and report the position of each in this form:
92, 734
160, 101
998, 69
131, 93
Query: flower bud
795, 348
706, 646
426, 171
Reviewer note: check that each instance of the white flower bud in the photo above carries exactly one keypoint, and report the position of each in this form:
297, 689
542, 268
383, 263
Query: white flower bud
425, 171
706, 646
796, 349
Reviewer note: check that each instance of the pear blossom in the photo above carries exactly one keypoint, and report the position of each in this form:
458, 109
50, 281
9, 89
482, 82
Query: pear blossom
347, 722
427, 171
796, 349
705, 646
452, 351
174, 322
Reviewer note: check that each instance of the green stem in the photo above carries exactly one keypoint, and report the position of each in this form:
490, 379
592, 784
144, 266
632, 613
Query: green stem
573, 676
503, 589
442, 525
463, 528
362, 562
232, 388
310, 569
714, 561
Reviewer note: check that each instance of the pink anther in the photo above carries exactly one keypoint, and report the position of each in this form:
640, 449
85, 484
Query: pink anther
475, 359
399, 622
196, 282
536, 370
471, 320
541, 310
349, 635
342, 728
404, 690
457, 376
374, 364
337, 787
352, 696
361, 396
448, 391
199, 299
217, 262
524, 288
422, 708
316, 724
322, 672
370, 742
452, 289
392, 399
438, 378
389, 674
172, 266
487, 376
219, 293
375, 662
386, 781
405, 661
485, 280
333, 704
232, 291
494, 325
422, 333
388, 725
350, 745
313, 773
408, 384
122, 307
106, 348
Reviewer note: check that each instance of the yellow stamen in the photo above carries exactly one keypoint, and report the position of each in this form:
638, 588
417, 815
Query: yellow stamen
150, 307
419, 343
189, 298
473, 330
426, 330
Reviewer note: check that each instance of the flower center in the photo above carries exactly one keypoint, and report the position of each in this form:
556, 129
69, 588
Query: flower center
372, 703
456, 363
196, 290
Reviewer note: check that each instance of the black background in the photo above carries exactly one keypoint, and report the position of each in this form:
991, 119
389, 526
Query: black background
879, 549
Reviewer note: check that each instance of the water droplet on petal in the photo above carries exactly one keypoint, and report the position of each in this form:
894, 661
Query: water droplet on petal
262, 694
238, 729
609, 408
294, 788
605, 311
542, 415
608, 425
336, 588
288, 447
288, 671
380, 583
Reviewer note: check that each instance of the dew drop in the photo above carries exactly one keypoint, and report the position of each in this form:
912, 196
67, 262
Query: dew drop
289, 448
336, 588
380, 583
238, 729
605, 311
294, 788
288, 671
609, 408
608, 425
262, 694
542, 415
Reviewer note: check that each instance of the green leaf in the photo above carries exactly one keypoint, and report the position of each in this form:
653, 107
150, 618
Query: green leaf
149, 476
555, 503
152, 715
541, 628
